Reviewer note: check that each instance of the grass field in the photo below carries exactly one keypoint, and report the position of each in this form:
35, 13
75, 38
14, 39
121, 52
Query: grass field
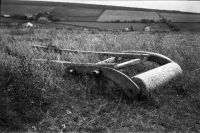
87, 12
40, 97
195, 27
77, 14
115, 26
73, 12
122, 15
184, 27
175, 17
23, 9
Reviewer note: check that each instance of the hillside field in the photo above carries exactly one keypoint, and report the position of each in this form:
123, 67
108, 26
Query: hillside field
93, 13
192, 27
73, 12
41, 97
76, 14
123, 15
24, 9
115, 26
175, 17
195, 27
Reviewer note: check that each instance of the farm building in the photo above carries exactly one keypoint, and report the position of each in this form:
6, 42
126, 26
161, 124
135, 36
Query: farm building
147, 29
28, 24
43, 19
6, 16
28, 15
126, 29
156, 28
86, 30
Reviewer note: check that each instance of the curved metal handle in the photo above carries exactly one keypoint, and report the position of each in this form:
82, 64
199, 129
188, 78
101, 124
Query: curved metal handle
153, 57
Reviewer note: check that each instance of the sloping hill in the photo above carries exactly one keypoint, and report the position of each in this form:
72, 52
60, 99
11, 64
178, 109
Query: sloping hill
177, 17
81, 5
76, 13
90, 12
22, 9
123, 15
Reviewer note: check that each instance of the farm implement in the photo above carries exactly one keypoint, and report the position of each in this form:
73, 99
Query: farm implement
111, 69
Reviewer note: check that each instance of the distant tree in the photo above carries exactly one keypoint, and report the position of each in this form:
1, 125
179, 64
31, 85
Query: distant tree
54, 18
147, 21
18, 16
117, 21
173, 27
163, 20
131, 28
38, 15
170, 24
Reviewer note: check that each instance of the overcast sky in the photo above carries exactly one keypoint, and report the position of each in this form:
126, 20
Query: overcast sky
189, 6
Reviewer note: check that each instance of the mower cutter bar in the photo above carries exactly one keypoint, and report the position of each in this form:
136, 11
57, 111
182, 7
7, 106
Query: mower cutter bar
107, 69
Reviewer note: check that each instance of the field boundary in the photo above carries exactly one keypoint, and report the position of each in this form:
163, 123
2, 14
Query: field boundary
82, 26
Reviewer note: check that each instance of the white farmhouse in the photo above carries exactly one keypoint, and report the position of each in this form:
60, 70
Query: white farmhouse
6, 16
28, 24
126, 29
43, 19
147, 29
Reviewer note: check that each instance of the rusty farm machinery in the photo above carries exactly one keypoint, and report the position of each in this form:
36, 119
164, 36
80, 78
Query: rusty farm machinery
109, 69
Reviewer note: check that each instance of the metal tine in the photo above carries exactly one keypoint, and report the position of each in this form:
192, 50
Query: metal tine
130, 63
77, 64
39, 46
109, 60
114, 54
50, 48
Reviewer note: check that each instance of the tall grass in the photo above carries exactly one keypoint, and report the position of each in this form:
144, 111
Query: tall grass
38, 96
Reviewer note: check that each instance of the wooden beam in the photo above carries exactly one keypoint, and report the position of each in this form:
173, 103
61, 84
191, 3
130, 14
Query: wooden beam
39, 46
77, 64
114, 54
128, 63
109, 60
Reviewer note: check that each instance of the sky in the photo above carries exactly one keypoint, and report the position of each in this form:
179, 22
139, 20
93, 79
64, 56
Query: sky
188, 6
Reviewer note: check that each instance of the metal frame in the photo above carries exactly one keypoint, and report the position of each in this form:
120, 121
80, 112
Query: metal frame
109, 70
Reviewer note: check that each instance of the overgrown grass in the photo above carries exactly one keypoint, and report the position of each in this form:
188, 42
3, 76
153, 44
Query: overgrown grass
41, 97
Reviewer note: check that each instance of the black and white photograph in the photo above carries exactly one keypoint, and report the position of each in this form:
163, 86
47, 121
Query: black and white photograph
99, 66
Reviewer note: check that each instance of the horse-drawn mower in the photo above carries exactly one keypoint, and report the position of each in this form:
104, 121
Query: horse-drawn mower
109, 70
